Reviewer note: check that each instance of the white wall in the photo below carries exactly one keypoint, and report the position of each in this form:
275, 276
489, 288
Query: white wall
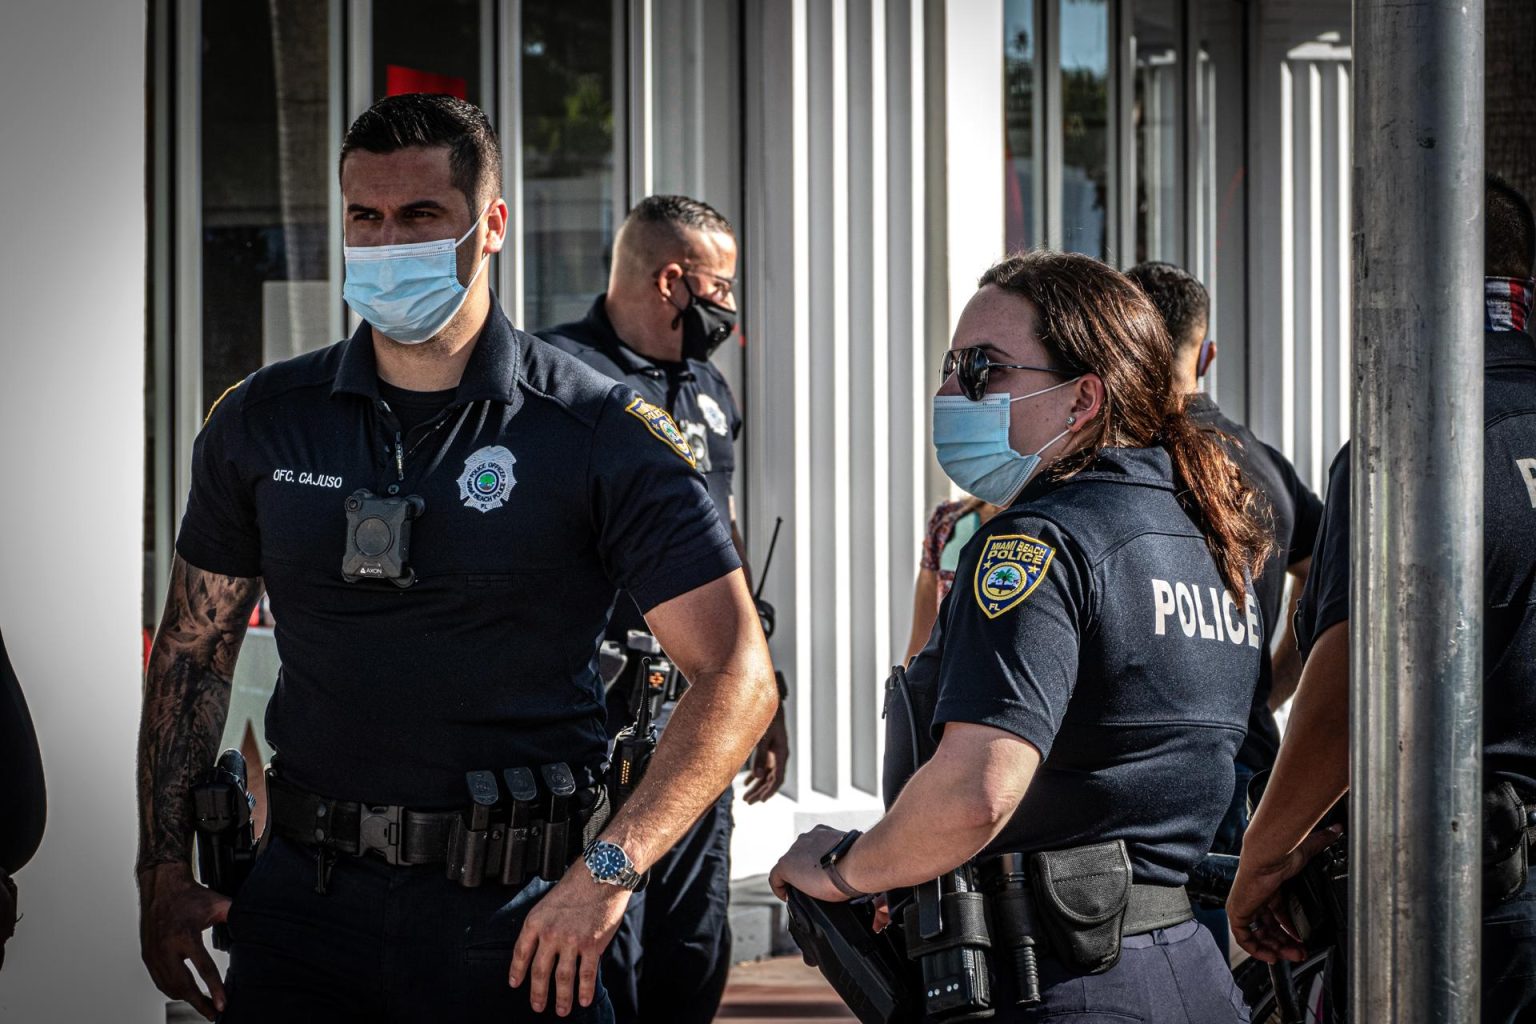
72, 458
1299, 287
837, 377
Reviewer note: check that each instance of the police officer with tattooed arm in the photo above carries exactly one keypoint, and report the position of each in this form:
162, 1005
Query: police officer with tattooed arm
670, 303
1312, 772
1060, 753
442, 509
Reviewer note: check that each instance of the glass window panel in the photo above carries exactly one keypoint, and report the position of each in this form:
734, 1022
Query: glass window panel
414, 51
1020, 96
1085, 98
568, 165
266, 180
1155, 116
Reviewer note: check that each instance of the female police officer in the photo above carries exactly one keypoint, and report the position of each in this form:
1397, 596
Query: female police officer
1079, 678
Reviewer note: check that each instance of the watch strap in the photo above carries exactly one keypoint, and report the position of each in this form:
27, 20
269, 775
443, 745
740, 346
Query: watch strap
829, 865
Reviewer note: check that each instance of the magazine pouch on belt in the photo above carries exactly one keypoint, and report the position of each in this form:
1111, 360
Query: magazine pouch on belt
1082, 894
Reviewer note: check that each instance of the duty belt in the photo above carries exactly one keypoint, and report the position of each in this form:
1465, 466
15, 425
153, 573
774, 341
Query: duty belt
398, 834
1148, 908
508, 836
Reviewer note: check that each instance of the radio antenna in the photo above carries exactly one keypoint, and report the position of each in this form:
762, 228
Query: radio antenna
768, 562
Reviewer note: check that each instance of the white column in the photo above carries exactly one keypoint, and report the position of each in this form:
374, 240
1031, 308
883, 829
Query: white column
973, 41
836, 253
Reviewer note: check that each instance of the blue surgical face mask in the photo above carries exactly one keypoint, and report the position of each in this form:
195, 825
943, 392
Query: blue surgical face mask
971, 441
408, 292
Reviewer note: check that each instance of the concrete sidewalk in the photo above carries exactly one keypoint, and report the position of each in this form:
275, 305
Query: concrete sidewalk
780, 988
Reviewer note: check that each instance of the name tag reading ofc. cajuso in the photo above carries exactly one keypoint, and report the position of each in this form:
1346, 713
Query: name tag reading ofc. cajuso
1206, 612
287, 476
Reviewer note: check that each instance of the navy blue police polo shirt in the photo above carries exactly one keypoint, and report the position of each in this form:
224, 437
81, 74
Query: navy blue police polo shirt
548, 488
1509, 561
1295, 513
1090, 620
693, 391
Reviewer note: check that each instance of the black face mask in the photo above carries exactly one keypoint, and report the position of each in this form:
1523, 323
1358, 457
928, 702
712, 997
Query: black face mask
706, 324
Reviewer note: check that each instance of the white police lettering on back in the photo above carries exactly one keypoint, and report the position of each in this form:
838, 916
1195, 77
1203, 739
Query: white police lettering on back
1211, 615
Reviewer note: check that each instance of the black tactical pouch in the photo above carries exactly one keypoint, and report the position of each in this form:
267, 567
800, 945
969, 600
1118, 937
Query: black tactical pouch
1082, 895
1506, 849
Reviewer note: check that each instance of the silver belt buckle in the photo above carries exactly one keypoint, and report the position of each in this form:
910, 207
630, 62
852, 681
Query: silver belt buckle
379, 828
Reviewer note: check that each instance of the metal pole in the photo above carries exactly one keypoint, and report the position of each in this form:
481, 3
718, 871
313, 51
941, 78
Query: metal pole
1417, 469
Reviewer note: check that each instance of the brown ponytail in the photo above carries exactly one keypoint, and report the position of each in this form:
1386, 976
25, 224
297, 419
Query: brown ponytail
1235, 518
1094, 320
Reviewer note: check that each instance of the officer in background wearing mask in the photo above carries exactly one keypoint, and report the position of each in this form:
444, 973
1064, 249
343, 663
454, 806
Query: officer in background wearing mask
1312, 772
1293, 512
417, 676
670, 303
1080, 683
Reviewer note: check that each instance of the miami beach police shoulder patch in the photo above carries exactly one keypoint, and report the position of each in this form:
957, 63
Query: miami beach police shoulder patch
660, 424
1011, 567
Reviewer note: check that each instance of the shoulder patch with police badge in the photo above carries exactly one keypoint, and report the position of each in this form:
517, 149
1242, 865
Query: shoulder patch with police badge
660, 424
487, 478
1011, 567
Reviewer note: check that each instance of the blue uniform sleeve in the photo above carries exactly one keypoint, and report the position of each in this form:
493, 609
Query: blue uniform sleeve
219, 532
1013, 624
658, 534
1325, 599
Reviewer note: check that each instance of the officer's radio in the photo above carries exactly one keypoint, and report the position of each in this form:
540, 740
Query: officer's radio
379, 537
658, 680
948, 934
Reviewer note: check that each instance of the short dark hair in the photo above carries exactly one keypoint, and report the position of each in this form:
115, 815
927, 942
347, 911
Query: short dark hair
1179, 297
425, 119
679, 212
1509, 231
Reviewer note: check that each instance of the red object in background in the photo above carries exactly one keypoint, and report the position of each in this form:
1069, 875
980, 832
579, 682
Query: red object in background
398, 79
148, 643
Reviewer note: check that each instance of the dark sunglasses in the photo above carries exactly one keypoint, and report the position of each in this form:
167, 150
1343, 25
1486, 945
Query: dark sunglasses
974, 368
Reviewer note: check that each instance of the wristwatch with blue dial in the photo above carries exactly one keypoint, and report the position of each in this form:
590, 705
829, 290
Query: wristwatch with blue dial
611, 865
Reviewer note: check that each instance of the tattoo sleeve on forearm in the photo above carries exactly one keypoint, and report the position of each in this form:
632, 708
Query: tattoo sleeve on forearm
186, 698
